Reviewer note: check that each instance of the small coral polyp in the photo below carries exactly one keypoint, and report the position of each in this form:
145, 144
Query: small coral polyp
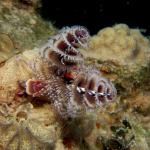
72, 90
17, 131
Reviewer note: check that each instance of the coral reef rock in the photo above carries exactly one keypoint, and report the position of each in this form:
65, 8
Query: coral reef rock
43, 89
120, 43
21, 28
74, 91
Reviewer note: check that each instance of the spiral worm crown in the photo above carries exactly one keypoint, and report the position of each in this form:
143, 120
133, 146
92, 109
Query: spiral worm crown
66, 44
88, 89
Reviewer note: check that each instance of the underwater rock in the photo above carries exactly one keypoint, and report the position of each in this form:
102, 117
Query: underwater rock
129, 70
120, 44
40, 78
25, 127
37, 85
7, 48
21, 28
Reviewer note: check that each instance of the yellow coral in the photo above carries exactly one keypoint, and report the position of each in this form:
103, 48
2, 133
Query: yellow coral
119, 43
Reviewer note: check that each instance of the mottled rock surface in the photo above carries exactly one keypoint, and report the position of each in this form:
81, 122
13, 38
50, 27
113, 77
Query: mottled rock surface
21, 28
120, 53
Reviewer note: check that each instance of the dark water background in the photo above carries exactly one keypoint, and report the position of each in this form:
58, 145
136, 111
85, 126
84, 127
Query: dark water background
96, 14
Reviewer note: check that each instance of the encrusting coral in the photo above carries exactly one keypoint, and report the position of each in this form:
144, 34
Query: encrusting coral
54, 74
120, 43
21, 28
52, 101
